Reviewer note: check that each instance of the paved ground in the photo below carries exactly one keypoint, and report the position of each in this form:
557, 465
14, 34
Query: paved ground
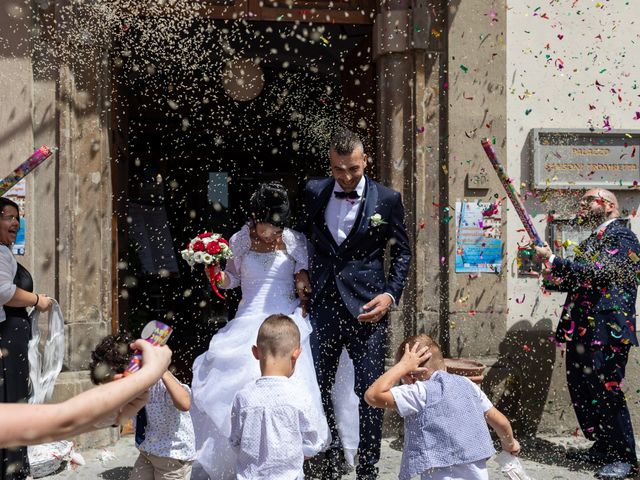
542, 458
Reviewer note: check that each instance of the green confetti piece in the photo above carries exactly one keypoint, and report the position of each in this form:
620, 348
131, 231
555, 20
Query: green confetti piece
603, 70
464, 69
528, 111
493, 141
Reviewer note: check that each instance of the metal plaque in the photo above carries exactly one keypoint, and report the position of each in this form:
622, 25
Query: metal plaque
566, 158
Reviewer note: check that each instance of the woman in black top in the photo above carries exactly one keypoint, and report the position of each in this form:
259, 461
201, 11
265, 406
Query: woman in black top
16, 287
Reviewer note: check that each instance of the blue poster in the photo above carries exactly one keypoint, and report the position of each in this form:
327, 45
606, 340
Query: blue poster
478, 237
18, 247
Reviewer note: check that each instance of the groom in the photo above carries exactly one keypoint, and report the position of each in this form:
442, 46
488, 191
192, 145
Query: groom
349, 220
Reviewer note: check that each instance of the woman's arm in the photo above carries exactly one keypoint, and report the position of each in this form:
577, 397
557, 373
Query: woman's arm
24, 424
22, 298
179, 395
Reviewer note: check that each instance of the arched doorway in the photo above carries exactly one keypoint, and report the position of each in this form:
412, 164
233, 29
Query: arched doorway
189, 153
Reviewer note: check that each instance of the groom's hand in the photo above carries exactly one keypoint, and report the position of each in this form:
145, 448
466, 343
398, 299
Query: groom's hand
376, 309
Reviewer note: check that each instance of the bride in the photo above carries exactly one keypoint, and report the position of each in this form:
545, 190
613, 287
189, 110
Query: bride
269, 261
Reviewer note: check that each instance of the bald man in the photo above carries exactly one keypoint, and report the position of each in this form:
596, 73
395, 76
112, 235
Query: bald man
598, 325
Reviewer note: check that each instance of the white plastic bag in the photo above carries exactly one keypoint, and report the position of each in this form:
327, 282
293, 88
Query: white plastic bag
511, 466
43, 372
47, 458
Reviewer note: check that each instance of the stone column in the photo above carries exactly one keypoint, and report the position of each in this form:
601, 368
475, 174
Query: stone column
83, 197
477, 109
408, 59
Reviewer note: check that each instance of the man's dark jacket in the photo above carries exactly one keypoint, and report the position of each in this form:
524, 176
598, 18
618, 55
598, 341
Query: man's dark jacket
357, 264
602, 284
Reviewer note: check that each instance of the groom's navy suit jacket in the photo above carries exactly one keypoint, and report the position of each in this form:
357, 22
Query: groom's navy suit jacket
357, 264
602, 284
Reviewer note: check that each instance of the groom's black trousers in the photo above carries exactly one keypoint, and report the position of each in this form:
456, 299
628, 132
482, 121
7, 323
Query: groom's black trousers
334, 328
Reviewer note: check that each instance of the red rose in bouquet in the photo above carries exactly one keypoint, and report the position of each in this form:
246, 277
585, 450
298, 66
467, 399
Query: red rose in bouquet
213, 248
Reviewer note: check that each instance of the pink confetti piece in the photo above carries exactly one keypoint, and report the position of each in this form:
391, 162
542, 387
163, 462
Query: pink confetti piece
521, 300
493, 15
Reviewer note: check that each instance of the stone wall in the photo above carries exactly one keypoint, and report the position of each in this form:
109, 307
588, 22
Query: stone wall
52, 97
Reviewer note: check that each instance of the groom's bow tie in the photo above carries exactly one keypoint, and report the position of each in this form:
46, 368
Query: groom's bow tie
352, 195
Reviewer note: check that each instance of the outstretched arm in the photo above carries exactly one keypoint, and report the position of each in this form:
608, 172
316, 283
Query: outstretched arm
24, 424
502, 426
379, 393
615, 262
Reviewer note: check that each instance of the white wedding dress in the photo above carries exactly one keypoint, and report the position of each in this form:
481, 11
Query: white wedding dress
267, 282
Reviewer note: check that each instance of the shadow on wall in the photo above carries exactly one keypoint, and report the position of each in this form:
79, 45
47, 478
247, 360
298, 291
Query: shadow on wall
518, 383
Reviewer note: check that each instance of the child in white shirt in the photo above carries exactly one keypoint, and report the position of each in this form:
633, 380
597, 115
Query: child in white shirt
273, 419
445, 416
164, 431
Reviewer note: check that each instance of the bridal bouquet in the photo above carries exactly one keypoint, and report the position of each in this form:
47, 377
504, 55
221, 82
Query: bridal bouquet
208, 249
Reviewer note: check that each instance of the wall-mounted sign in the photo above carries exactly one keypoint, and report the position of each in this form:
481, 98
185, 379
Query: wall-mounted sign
478, 180
565, 158
478, 237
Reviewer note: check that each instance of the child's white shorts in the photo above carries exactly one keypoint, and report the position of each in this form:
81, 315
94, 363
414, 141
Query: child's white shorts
466, 471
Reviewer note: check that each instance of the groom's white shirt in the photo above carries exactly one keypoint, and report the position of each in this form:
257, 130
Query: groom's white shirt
341, 213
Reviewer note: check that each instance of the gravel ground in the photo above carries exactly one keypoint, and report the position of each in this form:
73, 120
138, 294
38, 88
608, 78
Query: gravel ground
543, 459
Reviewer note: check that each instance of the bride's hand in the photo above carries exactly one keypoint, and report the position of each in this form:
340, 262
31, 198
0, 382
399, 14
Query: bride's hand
216, 270
303, 285
304, 306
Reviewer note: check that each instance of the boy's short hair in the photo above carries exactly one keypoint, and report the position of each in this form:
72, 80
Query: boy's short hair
278, 336
423, 340
110, 357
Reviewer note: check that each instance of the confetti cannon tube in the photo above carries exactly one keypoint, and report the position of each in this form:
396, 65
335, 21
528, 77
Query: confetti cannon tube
154, 332
39, 156
512, 193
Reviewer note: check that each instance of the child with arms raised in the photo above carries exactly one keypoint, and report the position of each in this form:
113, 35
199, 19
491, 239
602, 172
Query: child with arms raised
164, 431
274, 422
445, 416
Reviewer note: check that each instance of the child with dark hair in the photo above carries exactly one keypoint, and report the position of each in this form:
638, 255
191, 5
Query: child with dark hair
110, 357
164, 430
445, 415
273, 423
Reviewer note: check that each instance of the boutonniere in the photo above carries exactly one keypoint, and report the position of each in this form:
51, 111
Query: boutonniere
376, 220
